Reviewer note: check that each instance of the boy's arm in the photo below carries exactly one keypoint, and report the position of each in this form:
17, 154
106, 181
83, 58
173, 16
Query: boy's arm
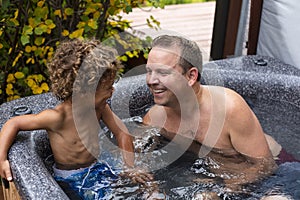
124, 139
11, 128
125, 142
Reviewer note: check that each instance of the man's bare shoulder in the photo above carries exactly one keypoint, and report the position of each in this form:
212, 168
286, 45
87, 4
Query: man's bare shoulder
230, 94
235, 102
236, 108
155, 115
232, 99
241, 119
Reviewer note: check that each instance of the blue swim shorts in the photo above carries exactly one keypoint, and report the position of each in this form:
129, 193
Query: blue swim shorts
86, 183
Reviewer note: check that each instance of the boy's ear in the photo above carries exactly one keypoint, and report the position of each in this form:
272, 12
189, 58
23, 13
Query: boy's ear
192, 76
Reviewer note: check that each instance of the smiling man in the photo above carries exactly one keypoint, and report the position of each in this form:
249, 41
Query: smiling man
212, 121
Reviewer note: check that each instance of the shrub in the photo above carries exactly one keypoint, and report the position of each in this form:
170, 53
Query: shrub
30, 31
171, 2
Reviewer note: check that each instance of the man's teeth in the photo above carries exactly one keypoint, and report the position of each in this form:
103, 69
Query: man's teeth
157, 91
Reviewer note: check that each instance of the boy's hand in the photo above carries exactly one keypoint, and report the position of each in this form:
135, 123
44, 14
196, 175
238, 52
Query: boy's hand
138, 175
5, 171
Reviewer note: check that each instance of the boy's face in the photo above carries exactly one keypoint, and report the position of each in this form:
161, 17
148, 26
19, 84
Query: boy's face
104, 91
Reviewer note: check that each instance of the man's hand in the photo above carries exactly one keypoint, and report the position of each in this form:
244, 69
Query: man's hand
149, 187
5, 171
138, 175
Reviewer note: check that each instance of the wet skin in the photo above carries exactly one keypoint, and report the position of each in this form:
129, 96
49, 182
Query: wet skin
208, 116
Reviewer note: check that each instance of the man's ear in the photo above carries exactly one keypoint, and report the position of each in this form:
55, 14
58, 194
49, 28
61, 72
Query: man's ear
192, 76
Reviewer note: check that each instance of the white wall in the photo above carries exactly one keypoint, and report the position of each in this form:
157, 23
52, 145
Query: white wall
279, 35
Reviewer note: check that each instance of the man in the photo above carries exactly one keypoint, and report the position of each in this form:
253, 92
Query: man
212, 121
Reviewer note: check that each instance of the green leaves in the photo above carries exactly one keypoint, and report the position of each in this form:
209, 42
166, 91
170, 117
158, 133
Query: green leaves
4, 4
128, 9
69, 11
41, 12
27, 30
31, 31
24, 39
39, 41
40, 29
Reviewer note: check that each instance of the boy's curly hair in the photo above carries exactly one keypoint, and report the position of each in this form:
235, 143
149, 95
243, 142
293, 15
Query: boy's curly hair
80, 66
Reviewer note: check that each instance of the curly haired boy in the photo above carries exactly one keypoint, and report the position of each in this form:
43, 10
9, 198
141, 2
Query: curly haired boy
82, 74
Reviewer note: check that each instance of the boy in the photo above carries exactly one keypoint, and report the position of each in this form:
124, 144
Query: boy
74, 73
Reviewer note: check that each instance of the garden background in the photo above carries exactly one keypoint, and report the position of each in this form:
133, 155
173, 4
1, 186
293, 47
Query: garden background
30, 31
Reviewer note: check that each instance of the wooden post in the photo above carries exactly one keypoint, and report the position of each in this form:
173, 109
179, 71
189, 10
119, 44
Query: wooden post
219, 29
226, 22
232, 27
254, 25
9, 191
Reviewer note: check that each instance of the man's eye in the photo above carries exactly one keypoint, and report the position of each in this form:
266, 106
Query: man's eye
164, 73
148, 71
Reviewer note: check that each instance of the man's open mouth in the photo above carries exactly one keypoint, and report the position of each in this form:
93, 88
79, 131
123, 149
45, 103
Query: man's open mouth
158, 91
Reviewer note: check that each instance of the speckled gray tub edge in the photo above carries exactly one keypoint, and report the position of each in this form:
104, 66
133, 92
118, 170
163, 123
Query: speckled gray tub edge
271, 88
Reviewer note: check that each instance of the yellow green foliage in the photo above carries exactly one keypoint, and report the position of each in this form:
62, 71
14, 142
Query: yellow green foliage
30, 31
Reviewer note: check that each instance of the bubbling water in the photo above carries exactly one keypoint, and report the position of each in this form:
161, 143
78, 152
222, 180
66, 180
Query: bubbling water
188, 177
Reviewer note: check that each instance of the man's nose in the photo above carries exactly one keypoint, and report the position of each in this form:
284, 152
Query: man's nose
152, 78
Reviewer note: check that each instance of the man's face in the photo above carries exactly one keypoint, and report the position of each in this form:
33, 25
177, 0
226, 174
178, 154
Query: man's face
164, 75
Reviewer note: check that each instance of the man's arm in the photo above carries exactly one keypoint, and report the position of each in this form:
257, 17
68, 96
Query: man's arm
248, 138
11, 128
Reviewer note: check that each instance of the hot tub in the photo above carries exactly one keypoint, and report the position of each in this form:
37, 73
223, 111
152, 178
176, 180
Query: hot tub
270, 87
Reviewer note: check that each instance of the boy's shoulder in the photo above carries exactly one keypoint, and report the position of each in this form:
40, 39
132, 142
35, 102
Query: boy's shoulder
61, 110
57, 113
54, 117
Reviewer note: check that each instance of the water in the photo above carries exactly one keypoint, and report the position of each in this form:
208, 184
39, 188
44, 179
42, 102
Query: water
188, 176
